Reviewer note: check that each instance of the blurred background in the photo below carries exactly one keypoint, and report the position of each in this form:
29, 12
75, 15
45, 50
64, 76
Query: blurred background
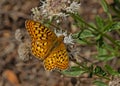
14, 72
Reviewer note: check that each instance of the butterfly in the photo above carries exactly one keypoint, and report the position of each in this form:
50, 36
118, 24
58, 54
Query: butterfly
46, 46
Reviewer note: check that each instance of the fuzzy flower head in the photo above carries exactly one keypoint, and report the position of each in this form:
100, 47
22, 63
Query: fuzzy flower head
51, 8
24, 51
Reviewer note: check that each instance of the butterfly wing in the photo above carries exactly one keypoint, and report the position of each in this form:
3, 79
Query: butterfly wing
50, 62
42, 38
41, 49
62, 57
39, 32
58, 58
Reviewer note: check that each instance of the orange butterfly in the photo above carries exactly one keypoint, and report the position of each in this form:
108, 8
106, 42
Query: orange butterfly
47, 46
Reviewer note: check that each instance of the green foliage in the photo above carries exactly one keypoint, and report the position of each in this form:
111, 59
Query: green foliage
115, 6
114, 26
81, 36
100, 71
104, 52
110, 70
99, 83
105, 6
73, 71
98, 35
99, 22
106, 9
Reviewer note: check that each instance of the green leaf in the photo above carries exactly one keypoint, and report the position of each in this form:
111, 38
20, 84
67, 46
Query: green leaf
104, 54
110, 70
114, 26
104, 5
86, 33
99, 70
99, 83
80, 41
99, 22
109, 47
104, 57
73, 71
81, 36
77, 38
102, 51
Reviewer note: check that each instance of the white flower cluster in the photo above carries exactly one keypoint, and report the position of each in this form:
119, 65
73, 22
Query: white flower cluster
51, 8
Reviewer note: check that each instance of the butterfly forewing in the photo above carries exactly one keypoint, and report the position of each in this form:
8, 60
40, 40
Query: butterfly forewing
41, 49
42, 38
39, 32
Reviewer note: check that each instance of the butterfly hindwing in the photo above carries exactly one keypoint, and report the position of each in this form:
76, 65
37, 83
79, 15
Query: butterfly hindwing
50, 62
58, 58
62, 57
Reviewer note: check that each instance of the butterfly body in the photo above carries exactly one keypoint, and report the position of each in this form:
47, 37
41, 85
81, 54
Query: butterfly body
47, 46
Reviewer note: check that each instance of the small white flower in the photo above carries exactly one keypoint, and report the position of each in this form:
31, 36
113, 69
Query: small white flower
58, 33
35, 10
58, 21
36, 13
74, 6
67, 39
43, 4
